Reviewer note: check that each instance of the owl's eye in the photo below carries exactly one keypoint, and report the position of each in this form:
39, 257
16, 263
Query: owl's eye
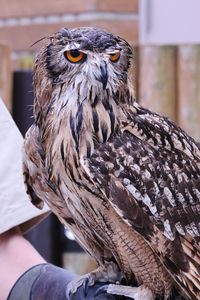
75, 55
115, 56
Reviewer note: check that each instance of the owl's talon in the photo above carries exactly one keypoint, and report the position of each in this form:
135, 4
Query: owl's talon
138, 293
85, 280
109, 272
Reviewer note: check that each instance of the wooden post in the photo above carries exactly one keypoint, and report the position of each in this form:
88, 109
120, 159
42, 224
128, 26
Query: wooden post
135, 71
5, 75
189, 89
157, 80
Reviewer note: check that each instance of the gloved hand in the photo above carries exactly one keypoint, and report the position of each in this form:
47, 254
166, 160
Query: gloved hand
95, 292
46, 281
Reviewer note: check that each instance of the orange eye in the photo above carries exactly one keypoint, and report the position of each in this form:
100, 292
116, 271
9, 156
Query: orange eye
115, 56
75, 55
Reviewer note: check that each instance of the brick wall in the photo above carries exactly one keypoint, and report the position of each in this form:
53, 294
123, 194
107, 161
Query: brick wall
24, 22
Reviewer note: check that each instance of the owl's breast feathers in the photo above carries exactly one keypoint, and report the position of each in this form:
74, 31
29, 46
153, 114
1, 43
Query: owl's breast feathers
147, 170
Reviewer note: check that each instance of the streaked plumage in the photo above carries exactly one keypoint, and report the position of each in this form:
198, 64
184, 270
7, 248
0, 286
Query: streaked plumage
125, 180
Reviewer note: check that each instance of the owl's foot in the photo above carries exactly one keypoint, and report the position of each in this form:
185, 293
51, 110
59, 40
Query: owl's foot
138, 293
85, 280
108, 273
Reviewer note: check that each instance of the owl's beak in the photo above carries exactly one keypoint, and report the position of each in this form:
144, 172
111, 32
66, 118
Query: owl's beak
103, 78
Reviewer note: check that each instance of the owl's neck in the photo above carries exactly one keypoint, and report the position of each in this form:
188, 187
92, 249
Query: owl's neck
78, 120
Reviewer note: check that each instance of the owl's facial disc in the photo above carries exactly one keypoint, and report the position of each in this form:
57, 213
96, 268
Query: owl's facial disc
97, 63
90, 57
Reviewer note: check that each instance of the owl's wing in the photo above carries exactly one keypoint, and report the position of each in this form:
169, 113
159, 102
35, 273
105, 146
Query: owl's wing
154, 185
31, 166
41, 189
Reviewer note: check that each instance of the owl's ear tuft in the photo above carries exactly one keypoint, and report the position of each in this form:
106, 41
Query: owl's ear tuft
64, 32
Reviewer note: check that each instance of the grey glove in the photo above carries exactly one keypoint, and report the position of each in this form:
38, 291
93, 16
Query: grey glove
46, 281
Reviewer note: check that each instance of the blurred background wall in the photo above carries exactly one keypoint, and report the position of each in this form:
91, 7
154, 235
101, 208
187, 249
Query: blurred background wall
165, 37
23, 22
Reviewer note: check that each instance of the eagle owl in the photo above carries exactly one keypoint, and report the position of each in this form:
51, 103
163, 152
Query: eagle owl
124, 179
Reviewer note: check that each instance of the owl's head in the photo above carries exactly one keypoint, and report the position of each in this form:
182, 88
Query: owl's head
88, 61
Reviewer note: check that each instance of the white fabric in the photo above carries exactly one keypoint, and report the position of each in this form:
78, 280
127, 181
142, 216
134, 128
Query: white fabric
15, 205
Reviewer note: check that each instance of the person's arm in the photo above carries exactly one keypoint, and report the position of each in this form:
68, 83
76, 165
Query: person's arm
16, 256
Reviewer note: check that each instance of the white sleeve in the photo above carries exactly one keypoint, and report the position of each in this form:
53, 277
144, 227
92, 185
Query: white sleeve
15, 206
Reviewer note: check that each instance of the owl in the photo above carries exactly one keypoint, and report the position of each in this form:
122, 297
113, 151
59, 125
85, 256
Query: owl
123, 179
